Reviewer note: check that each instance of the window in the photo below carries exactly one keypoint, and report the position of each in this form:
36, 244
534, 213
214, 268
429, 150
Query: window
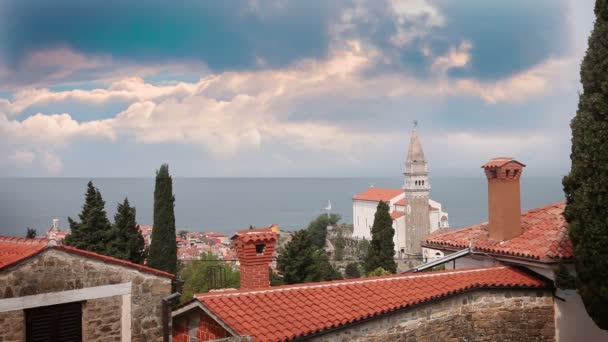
55, 323
259, 248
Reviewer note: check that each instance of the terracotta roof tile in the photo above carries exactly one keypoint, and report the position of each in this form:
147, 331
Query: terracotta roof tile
500, 161
378, 194
256, 234
285, 312
397, 214
544, 238
14, 250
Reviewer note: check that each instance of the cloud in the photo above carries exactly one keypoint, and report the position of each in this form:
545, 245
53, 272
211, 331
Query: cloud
18, 159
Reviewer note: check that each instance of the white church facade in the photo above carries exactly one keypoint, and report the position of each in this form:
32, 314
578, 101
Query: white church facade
414, 214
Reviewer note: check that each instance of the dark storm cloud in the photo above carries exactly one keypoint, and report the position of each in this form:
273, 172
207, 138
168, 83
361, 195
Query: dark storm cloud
225, 34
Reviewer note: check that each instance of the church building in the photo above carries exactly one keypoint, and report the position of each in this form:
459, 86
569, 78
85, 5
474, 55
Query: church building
414, 213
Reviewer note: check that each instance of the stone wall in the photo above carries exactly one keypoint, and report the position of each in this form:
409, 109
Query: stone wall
102, 317
55, 270
12, 326
515, 315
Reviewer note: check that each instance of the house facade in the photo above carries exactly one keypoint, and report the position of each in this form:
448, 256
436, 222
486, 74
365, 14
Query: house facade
501, 303
536, 239
50, 292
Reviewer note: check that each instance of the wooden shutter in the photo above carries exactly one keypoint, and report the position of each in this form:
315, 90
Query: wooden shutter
56, 323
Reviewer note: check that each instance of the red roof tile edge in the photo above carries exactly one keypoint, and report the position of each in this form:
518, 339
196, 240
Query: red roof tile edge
430, 243
47, 244
537, 282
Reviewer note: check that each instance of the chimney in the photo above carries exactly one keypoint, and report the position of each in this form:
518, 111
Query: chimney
504, 205
255, 248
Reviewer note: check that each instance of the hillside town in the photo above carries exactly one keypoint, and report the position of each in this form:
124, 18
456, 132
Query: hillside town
401, 270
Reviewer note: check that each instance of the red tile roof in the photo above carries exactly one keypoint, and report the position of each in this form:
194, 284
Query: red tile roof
14, 250
286, 312
397, 214
544, 238
401, 202
378, 194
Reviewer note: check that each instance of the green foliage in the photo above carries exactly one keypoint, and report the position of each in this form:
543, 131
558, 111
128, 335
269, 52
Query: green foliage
339, 246
197, 276
362, 248
379, 272
563, 278
301, 262
182, 233
275, 279
318, 228
352, 270
31, 233
586, 186
163, 249
93, 231
126, 241
382, 248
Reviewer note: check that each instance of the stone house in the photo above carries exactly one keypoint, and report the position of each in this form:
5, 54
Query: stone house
50, 292
536, 240
496, 303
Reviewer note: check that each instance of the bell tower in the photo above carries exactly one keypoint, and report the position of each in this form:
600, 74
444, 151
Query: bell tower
417, 189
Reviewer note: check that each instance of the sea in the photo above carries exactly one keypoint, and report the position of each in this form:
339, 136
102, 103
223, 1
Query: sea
229, 204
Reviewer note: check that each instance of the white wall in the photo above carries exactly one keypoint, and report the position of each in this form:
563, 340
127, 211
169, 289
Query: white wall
363, 218
572, 323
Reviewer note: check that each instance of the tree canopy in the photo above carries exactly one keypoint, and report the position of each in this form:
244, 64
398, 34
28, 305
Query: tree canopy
127, 242
206, 274
586, 186
301, 261
31, 233
381, 251
318, 228
163, 248
92, 233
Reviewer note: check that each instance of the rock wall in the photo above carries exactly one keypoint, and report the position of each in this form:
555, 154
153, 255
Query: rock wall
515, 315
12, 326
55, 270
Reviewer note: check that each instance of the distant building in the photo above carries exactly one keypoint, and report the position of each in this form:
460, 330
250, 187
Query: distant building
54, 293
498, 303
54, 233
414, 214
536, 240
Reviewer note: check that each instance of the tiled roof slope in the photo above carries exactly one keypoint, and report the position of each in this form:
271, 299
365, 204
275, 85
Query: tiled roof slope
397, 214
256, 235
14, 250
378, 194
286, 312
544, 238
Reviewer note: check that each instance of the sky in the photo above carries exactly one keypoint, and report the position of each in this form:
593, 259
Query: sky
277, 88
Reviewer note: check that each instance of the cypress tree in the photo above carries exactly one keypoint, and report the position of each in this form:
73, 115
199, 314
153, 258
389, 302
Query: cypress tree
382, 248
92, 232
127, 243
586, 186
163, 248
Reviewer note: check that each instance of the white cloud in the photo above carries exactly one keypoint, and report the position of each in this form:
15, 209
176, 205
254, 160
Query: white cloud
18, 159
51, 163
455, 58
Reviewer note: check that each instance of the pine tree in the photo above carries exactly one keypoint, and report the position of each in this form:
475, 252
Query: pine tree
163, 248
382, 248
318, 228
31, 233
301, 262
92, 232
586, 186
127, 243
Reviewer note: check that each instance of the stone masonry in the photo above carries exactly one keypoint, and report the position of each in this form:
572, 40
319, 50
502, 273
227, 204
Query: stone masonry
514, 315
55, 270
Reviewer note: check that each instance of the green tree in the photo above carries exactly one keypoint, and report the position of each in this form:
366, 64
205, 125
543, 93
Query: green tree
586, 186
379, 272
563, 278
382, 248
362, 248
163, 248
339, 246
352, 270
318, 228
275, 279
199, 274
301, 262
31, 233
127, 242
93, 230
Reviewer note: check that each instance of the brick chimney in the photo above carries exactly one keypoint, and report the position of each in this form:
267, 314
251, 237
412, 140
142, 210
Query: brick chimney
255, 248
504, 204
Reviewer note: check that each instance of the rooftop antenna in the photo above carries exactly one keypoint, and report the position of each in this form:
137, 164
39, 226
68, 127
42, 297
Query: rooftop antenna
328, 208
